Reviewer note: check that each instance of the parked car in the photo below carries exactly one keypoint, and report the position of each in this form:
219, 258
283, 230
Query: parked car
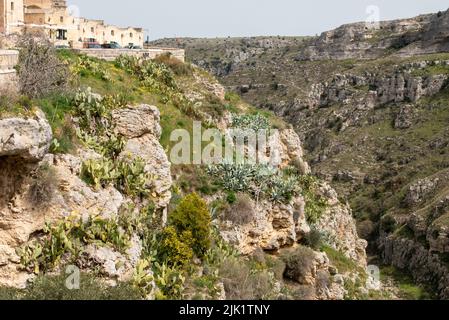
62, 47
111, 45
91, 45
131, 46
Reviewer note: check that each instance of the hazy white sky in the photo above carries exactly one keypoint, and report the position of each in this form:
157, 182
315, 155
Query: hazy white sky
212, 18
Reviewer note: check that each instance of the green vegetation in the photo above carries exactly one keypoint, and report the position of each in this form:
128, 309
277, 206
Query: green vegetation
408, 290
339, 260
127, 175
254, 122
172, 256
86, 66
257, 180
66, 240
12, 104
316, 204
432, 70
175, 249
192, 215
53, 287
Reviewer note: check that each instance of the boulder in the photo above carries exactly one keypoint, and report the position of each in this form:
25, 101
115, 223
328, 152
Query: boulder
140, 125
25, 138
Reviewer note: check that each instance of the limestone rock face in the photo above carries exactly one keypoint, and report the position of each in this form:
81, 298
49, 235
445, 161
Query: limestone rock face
424, 266
404, 117
25, 153
26, 138
140, 125
398, 87
134, 122
282, 225
291, 151
339, 225
420, 190
274, 226
21, 217
420, 35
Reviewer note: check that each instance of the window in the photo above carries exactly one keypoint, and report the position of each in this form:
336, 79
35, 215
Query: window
61, 34
12, 6
112, 33
92, 29
131, 35
61, 19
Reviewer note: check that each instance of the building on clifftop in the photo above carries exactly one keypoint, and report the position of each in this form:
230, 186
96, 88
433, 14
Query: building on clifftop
54, 19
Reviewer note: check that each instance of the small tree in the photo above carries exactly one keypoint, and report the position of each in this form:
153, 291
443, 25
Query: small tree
39, 69
192, 215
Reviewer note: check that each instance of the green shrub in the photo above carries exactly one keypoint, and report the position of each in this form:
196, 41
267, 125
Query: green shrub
175, 249
231, 198
314, 239
192, 215
128, 176
156, 76
254, 122
94, 114
85, 65
170, 282
339, 260
177, 66
98, 172
53, 287
66, 238
388, 224
316, 204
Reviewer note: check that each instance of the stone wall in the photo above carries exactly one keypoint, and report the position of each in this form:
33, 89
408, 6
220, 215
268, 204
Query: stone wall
149, 53
8, 78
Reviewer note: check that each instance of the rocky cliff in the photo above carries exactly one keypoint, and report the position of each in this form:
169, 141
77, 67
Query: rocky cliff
370, 105
86, 181
39, 187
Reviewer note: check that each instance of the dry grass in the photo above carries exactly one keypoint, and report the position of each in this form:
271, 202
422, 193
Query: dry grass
43, 185
241, 211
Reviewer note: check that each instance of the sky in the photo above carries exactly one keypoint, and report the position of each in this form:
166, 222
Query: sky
212, 18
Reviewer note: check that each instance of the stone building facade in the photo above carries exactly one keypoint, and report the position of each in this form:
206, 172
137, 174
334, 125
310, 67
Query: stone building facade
63, 29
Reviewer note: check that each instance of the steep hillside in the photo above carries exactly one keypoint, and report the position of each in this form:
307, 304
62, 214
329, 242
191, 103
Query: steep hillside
372, 107
88, 183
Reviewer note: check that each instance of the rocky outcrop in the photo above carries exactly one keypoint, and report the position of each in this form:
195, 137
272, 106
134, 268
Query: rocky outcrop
281, 225
338, 224
274, 226
370, 90
425, 267
140, 126
365, 40
25, 142
25, 138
